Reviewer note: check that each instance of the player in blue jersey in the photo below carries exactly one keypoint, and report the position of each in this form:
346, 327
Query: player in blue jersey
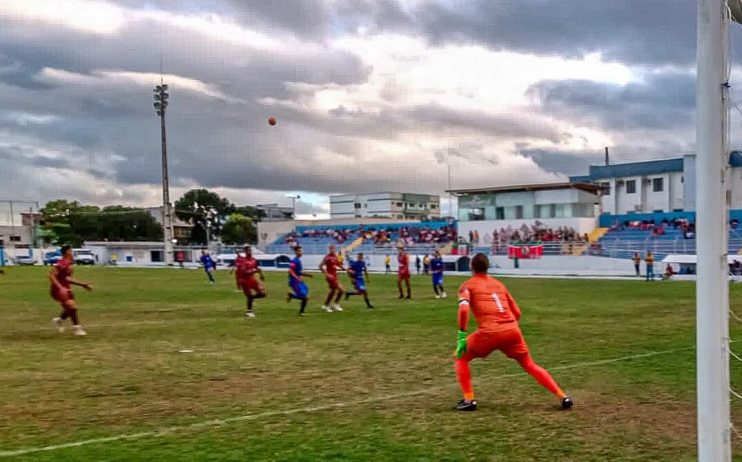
299, 289
209, 265
357, 270
436, 269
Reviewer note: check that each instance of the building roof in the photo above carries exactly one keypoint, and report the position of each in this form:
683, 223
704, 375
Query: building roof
588, 187
649, 167
336, 196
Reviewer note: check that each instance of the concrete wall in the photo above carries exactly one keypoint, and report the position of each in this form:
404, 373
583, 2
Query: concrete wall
565, 265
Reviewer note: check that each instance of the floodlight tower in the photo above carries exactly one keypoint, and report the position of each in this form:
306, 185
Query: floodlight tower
161, 97
712, 285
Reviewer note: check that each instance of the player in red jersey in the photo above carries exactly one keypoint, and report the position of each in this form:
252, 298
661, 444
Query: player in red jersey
247, 267
403, 273
60, 278
497, 317
329, 267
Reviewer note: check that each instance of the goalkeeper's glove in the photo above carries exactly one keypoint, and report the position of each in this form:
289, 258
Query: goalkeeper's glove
461, 344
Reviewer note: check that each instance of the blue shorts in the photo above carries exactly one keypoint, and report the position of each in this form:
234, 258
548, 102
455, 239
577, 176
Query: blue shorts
437, 279
300, 289
360, 285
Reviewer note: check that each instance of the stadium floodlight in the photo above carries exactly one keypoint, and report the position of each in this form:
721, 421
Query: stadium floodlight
293, 204
160, 104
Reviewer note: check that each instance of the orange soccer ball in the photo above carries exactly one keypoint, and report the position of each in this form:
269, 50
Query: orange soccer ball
271, 121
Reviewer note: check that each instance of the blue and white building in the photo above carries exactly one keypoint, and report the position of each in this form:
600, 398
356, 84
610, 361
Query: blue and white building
656, 186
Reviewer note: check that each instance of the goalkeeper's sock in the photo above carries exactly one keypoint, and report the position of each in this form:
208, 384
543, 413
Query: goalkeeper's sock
542, 376
463, 374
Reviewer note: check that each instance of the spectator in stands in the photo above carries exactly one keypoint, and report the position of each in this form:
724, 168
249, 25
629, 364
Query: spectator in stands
637, 263
426, 264
649, 260
737, 268
417, 263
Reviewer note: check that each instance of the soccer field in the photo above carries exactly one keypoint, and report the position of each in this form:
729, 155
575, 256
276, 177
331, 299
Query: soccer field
359, 385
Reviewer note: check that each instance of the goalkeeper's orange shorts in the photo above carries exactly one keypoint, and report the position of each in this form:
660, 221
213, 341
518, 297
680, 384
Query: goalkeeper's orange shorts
510, 341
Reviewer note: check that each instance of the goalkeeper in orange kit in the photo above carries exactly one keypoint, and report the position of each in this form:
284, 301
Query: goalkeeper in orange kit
497, 317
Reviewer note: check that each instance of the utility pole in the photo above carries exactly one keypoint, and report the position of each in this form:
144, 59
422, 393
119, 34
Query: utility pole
712, 284
161, 97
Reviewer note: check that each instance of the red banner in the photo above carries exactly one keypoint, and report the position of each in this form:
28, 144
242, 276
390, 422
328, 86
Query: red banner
525, 251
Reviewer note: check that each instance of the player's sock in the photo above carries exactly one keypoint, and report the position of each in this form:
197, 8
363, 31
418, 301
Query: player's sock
304, 302
249, 303
257, 296
349, 294
463, 374
368, 302
542, 376
72, 314
328, 300
435, 289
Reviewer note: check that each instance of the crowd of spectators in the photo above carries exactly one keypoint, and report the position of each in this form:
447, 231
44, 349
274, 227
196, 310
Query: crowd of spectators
687, 228
407, 235
536, 232
339, 236
410, 235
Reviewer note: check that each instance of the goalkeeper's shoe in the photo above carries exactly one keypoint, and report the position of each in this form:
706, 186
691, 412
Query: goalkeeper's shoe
567, 403
466, 405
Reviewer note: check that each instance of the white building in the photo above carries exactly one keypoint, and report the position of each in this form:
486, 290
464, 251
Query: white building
386, 205
555, 205
666, 185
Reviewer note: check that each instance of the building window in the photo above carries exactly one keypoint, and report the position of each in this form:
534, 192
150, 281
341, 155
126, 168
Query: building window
432, 206
399, 204
658, 184
518, 212
357, 205
552, 211
499, 213
631, 187
605, 189
15, 238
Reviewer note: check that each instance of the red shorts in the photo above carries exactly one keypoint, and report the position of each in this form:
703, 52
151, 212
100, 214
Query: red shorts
511, 342
332, 282
250, 285
62, 297
403, 275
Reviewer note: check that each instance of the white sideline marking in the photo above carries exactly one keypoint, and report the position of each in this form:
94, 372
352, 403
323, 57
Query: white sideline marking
248, 417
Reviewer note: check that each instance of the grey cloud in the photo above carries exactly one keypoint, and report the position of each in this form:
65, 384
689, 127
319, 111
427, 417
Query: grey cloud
663, 101
635, 31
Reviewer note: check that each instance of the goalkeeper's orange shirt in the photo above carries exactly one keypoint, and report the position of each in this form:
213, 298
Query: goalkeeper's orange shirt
490, 302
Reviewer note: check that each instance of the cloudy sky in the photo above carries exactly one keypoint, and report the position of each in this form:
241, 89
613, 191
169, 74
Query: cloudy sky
370, 95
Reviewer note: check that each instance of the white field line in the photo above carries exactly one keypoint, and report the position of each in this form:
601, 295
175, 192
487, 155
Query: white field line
249, 417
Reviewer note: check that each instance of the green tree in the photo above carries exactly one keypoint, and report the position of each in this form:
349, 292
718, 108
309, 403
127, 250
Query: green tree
239, 229
62, 221
205, 210
69, 222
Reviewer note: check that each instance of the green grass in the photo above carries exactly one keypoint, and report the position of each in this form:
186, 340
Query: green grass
381, 381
